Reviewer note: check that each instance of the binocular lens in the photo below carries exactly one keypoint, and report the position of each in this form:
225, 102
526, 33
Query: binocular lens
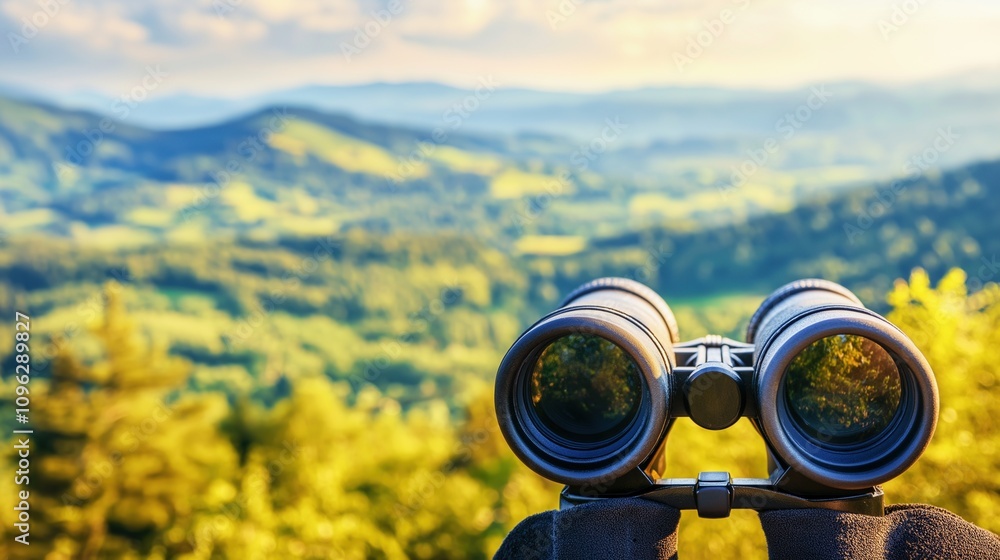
846, 399
585, 388
843, 390
584, 394
843, 399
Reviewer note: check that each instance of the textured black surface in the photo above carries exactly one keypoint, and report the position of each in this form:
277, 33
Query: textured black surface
906, 531
637, 529
620, 528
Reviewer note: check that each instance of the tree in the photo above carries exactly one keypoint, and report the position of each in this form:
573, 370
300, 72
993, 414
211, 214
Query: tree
123, 460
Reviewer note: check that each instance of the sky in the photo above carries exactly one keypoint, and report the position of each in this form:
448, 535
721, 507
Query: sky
233, 48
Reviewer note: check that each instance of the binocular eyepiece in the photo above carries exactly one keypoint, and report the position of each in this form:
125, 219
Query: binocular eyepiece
843, 400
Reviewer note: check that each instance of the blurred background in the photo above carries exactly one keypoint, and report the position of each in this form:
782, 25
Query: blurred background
273, 252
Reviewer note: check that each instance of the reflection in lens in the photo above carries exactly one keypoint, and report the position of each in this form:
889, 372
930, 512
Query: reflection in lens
843, 389
585, 388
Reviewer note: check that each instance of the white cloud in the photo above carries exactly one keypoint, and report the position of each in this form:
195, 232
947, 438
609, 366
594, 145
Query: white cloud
99, 27
316, 15
599, 45
213, 27
460, 18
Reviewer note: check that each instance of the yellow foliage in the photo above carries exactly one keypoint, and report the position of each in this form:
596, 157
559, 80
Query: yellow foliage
329, 470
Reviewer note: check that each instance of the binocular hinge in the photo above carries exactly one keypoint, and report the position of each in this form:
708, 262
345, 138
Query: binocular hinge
713, 495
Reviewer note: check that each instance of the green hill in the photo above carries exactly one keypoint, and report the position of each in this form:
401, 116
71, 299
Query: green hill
865, 238
290, 171
77, 175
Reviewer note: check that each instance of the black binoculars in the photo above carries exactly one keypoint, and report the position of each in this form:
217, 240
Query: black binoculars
842, 398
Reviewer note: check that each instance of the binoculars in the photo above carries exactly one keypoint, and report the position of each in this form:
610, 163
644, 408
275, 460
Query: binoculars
842, 399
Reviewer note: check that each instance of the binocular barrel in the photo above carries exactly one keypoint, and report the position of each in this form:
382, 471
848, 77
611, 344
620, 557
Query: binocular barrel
844, 396
841, 396
584, 393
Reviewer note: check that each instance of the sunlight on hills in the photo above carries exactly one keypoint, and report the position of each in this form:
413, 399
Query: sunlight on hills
249, 207
113, 236
29, 120
550, 245
461, 161
513, 183
190, 232
178, 196
29, 219
304, 225
150, 217
350, 154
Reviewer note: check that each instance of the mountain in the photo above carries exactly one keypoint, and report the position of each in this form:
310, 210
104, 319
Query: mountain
284, 173
292, 170
280, 169
848, 132
864, 238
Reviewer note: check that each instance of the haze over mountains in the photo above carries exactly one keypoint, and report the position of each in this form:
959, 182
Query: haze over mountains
668, 155
738, 201
895, 120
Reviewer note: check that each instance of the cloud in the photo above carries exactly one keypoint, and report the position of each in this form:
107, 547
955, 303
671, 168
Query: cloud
244, 46
312, 15
99, 27
461, 18
214, 28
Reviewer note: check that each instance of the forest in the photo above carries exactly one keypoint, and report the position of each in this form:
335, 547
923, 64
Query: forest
131, 463
278, 339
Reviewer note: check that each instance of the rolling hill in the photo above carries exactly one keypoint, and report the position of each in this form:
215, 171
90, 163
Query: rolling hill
287, 173
865, 237
677, 147
292, 171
